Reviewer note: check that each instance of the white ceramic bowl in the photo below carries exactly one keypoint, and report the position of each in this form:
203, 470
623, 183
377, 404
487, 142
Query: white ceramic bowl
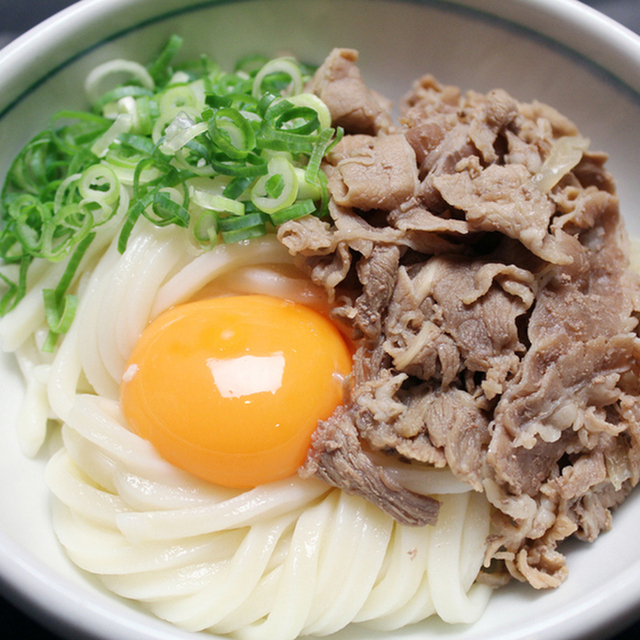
558, 51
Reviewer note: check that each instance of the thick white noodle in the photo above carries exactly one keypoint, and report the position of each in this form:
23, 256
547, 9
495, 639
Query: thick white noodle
209, 266
292, 558
17, 326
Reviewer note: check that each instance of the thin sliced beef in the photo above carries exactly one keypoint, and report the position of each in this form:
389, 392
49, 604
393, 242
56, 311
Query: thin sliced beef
337, 458
377, 273
381, 174
494, 313
352, 104
499, 111
504, 199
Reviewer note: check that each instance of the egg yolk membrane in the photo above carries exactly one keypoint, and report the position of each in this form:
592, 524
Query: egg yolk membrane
232, 388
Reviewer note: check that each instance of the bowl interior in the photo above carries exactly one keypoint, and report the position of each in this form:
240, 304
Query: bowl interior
530, 48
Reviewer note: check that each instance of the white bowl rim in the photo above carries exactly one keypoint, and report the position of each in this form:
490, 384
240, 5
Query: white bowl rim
66, 609
574, 20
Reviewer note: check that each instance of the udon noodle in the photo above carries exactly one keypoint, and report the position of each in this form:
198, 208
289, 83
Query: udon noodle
291, 558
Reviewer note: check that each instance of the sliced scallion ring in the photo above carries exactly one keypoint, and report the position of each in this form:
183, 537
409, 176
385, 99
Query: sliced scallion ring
62, 192
243, 222
312, 101
239, 235
166, 210
180, 132
97, 77
232, 133
99, 184
122, 124
178, 98
166, 118
205, 228
306, 189
215, 202
159, 67
281, 170
297, 210
286, 66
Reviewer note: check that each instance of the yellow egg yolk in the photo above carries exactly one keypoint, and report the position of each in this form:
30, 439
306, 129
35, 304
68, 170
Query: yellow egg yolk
232, 388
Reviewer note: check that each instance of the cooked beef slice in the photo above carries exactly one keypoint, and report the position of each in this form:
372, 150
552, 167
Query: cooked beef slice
349, 467
496, 321
339, 84
381, 174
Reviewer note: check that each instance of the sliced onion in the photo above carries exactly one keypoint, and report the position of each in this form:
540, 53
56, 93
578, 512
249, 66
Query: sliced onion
565, 154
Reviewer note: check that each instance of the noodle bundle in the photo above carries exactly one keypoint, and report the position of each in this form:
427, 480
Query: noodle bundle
290, 558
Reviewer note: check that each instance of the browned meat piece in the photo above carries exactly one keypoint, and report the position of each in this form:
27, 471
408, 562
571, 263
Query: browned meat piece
503, 198
377, 273
495, 314
381, 174
352, 104
499, 110
337, 458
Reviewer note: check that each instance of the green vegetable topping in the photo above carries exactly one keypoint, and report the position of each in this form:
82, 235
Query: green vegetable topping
227, 156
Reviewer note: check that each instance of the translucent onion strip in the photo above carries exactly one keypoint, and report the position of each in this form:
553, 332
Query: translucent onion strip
565, 154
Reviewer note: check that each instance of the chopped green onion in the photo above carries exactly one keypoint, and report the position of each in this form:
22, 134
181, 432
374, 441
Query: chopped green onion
251, 64
60, 306
180, 132
311, 101
237, 186
159, 68
121, 92
307, 190
224, 156
139, 143
115, 67
216, 202
323, 209
178, 98
133, 215
238, 235
299, 120
166, 118
59, 312
99, 184
243, 222
122, 124
286, 66
285, 172
298, 210
167, 211
232, 133
320, 149
253, 166
16, 290
206, 227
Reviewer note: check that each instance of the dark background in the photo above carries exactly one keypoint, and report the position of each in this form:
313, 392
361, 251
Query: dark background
16, 16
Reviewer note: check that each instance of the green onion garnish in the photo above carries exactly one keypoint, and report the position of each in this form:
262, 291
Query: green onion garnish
226, 156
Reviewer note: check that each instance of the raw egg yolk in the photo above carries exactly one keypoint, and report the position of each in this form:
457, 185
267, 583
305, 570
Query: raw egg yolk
232, 388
